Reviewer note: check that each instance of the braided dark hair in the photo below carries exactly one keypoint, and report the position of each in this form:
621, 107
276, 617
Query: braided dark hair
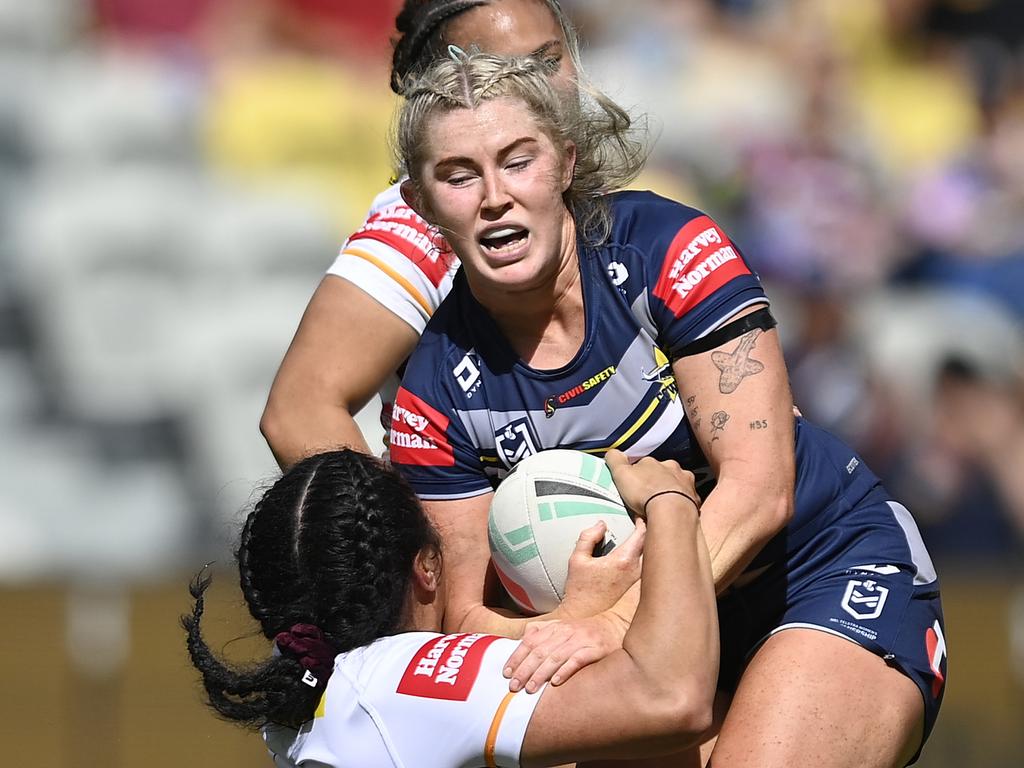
420, 39
331, 544
420, 26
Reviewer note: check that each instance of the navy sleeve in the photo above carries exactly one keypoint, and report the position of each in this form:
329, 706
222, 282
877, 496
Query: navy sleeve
429, 443
696, 277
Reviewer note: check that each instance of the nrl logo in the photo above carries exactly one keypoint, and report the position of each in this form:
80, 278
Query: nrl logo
864, 599
515, 442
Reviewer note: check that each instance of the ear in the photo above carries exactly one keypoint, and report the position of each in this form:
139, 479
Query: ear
568, 166
426, 570
413, 199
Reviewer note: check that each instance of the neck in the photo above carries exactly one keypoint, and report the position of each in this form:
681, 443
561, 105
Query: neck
424, 614
546, 325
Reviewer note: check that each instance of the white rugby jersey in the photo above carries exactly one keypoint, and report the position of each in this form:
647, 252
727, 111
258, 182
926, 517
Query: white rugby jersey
395, 257
418, 700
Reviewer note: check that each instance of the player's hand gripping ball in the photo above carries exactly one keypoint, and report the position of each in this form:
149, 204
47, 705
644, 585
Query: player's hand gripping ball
536, 517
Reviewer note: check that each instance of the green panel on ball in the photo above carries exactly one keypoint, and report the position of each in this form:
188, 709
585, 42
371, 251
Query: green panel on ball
516, 546
565, 508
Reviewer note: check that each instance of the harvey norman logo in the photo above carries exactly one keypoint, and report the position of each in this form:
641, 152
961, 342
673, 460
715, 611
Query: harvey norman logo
400, 415
699, 261
708, 237
418, 433
399, 223
700, 272
445, 667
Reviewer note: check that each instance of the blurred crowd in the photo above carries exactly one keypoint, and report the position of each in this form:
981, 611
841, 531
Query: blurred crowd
175, 178
869, 157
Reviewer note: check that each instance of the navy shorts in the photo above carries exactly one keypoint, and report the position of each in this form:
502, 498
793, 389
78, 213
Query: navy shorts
864, 576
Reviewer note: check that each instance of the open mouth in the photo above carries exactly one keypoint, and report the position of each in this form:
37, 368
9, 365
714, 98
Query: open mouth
504, 240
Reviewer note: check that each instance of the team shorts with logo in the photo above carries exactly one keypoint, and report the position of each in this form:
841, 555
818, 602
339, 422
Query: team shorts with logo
866, 577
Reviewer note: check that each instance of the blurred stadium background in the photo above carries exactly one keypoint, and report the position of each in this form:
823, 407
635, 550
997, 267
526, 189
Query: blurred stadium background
176, 176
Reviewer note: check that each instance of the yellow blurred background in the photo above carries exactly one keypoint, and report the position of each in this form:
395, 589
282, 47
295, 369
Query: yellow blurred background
175, 178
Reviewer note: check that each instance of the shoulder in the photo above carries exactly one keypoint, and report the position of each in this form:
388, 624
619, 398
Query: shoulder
639, 215
394, 232
428, 394
453, 329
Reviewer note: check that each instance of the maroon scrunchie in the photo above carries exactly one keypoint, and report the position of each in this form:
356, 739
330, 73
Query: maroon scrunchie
305, 643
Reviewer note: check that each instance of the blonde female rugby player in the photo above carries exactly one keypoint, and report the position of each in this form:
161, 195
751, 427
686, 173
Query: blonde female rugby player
590, 320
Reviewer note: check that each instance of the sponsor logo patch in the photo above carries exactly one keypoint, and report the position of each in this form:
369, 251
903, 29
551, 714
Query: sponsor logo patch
618, 273
864, 599
555, 401
700, 260
467, 373
401, 229
418, 433
445, 667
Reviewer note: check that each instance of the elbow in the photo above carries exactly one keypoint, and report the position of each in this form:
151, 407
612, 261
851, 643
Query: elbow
275, 426
782, 508
681, 716
692, 714
272, 424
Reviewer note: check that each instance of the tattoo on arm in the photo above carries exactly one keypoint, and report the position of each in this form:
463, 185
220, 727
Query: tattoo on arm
718, 420
737, 365
759, 424
692, 413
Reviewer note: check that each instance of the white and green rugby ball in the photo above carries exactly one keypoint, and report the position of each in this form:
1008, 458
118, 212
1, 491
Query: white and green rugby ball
536, 517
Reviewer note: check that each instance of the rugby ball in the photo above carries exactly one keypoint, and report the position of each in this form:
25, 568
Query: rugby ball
536, 516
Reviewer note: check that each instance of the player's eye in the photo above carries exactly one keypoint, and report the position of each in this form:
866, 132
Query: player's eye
519, 164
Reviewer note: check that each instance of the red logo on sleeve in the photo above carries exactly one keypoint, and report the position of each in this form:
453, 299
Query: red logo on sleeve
402, 229
445, 667
700, 260
418, 433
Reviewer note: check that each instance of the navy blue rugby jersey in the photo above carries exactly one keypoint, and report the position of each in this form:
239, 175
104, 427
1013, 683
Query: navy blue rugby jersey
469, 409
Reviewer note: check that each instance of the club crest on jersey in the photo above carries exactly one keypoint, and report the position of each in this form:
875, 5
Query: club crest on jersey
515, 441
864, 599
662, 374
553, 402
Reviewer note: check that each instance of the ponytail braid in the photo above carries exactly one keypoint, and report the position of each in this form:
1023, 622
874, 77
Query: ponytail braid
271, 691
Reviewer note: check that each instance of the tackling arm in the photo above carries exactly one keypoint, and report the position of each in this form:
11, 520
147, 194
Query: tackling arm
738, 401
346, 346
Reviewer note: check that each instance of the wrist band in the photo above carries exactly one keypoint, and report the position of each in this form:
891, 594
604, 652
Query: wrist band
676, 491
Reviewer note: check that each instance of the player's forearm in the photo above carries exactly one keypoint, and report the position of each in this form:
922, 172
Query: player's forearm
673, 639
738, 518
492, 621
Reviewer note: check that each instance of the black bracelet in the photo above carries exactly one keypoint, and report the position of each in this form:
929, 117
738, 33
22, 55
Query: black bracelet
652, 497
